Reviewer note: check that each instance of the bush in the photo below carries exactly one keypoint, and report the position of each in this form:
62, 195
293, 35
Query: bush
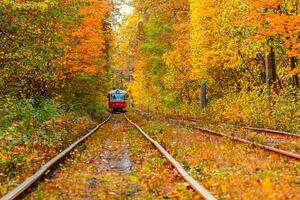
246, 108
86, 95
32, 131
281, 112
23, 114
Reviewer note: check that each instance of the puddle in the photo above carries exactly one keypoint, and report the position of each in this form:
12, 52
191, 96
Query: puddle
93, 183
116, 154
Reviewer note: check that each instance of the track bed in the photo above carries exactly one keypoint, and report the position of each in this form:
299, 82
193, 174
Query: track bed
116, 163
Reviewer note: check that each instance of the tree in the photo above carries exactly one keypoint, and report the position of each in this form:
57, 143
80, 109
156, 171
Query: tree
45, 43
91, 38
32, 45
277, 21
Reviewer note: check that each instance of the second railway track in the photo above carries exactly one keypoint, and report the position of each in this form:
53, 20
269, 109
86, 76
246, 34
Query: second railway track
283, 139
266, 147
277, 141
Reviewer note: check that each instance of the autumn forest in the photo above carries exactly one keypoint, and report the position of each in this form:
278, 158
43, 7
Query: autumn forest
188, 66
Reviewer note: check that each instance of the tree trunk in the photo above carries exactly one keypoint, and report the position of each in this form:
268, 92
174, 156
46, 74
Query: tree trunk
270, 63
203, 96
295, 77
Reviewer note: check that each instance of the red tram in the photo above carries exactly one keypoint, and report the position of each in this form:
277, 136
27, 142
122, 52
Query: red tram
117, 101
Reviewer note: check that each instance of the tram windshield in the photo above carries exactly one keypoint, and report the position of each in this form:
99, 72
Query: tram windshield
118, 97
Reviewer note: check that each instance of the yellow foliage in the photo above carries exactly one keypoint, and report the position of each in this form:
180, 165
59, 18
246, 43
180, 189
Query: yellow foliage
214, 54
268, 186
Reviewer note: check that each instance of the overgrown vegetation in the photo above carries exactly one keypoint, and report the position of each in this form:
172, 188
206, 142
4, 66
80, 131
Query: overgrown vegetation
32, 132
226, 168
55, 72
246, 52
56, 59
248, 108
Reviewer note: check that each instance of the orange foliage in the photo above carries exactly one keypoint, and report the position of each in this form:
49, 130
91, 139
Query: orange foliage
273, 18
86, 56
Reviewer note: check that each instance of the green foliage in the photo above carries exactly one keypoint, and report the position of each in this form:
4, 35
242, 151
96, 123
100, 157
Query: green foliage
155, 31
28, 112
87, 94
171, 101
186, 164
155, 46
32, 131
32, 43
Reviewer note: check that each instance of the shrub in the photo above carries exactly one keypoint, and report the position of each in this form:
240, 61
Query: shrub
32, 131
281, 111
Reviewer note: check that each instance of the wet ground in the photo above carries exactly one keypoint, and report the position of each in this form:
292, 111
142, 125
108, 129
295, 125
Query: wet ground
116, 155
115, 163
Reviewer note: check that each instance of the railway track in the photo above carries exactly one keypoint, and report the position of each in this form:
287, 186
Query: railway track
192, 182
31, 181
249, 140
273, 132
260, 130
237, 166
19, 190
269, 148
280, 138
277, 139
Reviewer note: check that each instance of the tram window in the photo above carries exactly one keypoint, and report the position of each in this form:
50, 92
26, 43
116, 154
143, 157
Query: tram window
118, 97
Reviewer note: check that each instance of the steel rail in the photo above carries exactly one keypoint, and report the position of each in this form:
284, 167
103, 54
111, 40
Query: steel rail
15, 193
276, 150
283, 133
273, 131
266, 130
190, 180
